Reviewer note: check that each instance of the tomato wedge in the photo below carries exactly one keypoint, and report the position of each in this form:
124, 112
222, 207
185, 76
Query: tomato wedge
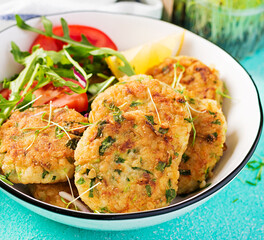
94, 36
61, 97
5, 93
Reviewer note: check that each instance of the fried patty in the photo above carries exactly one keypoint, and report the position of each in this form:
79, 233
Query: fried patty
199, 80
49, 193
36, 149
199, 159
135, 165
164, 107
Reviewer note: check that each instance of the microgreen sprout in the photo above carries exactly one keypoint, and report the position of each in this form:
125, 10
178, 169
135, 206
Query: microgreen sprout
82, 194
154, 106
4, 179
176, 80
30, 103
69, 182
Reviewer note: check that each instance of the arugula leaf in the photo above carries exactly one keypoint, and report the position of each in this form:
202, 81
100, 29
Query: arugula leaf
83, 46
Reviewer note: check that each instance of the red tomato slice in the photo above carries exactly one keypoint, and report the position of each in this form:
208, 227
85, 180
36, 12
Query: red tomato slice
94, 36
5, 93
61, 97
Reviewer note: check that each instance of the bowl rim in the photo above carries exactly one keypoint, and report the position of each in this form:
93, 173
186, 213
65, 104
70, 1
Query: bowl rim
144, 214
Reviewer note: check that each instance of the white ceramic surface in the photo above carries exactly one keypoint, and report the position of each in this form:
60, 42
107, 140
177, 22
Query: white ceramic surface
243, 113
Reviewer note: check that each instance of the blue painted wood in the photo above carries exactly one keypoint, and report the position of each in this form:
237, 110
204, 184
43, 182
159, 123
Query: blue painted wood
237, 212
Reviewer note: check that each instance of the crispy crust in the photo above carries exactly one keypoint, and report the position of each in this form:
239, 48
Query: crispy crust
199, 80
133, 94
201, 157
136, 171
43, 157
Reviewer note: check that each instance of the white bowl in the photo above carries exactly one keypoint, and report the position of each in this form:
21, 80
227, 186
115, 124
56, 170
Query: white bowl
243, 112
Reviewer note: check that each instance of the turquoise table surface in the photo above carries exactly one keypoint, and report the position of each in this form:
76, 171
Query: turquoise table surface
236, 212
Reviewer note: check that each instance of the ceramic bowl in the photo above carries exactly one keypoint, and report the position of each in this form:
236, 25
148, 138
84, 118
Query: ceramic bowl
243, 113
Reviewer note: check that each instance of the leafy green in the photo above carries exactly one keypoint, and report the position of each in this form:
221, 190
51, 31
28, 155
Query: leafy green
84, 46
80, 181
38, 68
163, 130
150, 119
44, 173
185, 172
170, 194
72, 143
5, 179
185, 157
148, 189
119, 159
91, 185
106, 143
135, 103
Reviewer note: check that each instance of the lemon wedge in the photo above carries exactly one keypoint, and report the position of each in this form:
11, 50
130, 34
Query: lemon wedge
148, 55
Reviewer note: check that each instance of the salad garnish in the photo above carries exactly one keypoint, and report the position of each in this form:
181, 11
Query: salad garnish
42, 67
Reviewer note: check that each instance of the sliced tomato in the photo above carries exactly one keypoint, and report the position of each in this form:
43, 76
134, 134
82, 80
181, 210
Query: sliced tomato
5, 93
94, 36
61, 97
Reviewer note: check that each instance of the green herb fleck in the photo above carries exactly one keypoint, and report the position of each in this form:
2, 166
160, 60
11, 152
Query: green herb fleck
148, 189
207, 172
215, 134
163, 130
5, 179
145, 170
185, 157
150, 119
105, 210
72, 143
222, 94
234, 200
217, 122
44, 173
108, 142
185, 172
59, 133
53, 178
100, 128
212, 113
118, 171
80, 181
117, 113
161, 166
170, 194
78, 168
91, 185
135, 103
118, 159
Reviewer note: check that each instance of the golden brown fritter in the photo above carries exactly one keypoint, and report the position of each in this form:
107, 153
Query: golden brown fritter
34, 150
49, 193
201, 156
199, 80
135, 165
165, 106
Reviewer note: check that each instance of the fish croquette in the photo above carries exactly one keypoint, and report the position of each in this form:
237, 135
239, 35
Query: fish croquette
199, 159
36, 149
165, 106
199, 80
134, 167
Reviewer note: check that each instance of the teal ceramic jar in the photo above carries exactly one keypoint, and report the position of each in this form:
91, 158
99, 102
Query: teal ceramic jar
236, 26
